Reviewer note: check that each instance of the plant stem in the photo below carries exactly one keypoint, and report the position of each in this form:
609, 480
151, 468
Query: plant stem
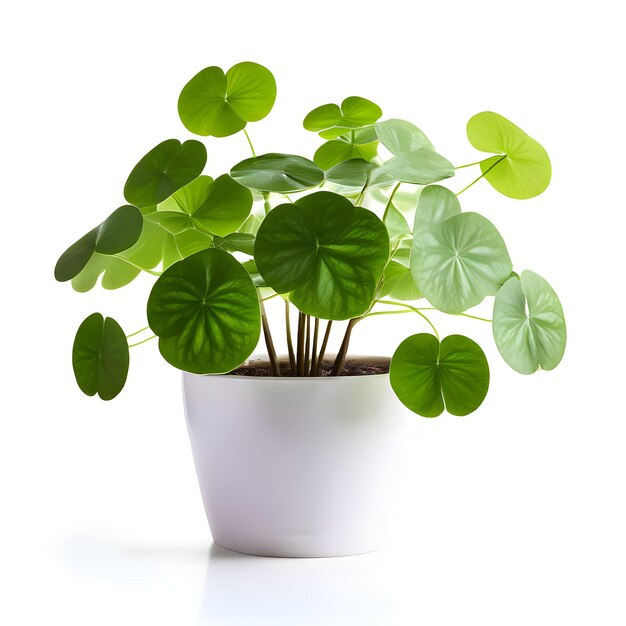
459, 167
266, 202
343, 350
307, 345
132, 345
412, 308
316, 331
292, 357
137, 332
245, 132
386, 313
269, 343
388, 205
474, 317
300, 348
320, 358
359, 198
143, 269
483, 174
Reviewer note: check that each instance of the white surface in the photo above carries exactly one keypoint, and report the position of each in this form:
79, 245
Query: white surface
515, 515
299, 467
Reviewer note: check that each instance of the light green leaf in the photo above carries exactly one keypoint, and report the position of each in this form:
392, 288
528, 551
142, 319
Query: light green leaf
281, 173
399, 283
236, 242
457, 258
415, 160
165, 169
117, 233
428, 376
521, 168
528, 324
205, 311
100, 357
334, 152
218, 104
327, 253
355, 112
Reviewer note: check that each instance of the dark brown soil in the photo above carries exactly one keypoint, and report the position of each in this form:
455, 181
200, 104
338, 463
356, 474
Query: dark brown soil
352, 367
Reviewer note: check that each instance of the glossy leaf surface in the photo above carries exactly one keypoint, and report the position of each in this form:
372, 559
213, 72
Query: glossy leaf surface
281, 173
325, 252
100, 357
205, 311
429, 376
165, 169
218, 104
522, 169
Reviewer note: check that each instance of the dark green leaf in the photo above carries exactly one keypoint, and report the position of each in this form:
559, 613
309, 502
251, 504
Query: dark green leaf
164, 170
205, 310
426, 374
281, 173
100, 357
328, 254
117, 233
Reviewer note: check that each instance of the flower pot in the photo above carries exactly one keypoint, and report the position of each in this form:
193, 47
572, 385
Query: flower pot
297, 467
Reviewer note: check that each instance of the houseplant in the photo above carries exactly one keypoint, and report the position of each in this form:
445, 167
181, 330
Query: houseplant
298, 458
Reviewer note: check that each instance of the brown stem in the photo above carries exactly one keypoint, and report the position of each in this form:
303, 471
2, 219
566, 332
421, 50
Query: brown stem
316, 331
343, 350
320, 358
292, 356
269, 343
307, 345
300, 356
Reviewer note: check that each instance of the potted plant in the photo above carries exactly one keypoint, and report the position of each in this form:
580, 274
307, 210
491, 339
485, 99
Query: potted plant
296, 454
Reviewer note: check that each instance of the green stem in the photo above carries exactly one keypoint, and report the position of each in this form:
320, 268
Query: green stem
143, 269
137, 332
132, 345
245, 132
359, 198
388, 205
300, 345
292, 356
320, 358
307, 345
474, 317
459, 167
386, 313
266, 202
412, 308
483, 174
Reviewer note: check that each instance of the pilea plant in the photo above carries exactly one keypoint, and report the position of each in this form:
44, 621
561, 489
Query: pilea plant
344, 236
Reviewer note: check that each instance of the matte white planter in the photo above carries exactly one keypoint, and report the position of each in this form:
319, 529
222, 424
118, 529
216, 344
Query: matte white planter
297, 467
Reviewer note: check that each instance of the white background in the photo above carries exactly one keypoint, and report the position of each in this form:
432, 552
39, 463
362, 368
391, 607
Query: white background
515, 514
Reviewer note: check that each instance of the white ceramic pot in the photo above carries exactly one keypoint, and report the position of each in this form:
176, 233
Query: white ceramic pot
297, 467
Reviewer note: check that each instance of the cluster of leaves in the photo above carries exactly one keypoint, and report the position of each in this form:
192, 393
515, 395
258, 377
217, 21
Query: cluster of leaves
221, 246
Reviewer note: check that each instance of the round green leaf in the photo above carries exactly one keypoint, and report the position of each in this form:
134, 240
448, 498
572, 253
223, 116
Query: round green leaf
217, 206
351, 173
100, 357
528, 324
428, 376
117, 233
399, 283
415, 160
218, 104
325, 252
336, 151
205, 311
355, 112
457, 258
164, 170
522, 168
281, 173
401, 137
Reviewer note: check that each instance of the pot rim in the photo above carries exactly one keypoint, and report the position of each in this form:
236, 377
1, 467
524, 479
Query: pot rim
262, 358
